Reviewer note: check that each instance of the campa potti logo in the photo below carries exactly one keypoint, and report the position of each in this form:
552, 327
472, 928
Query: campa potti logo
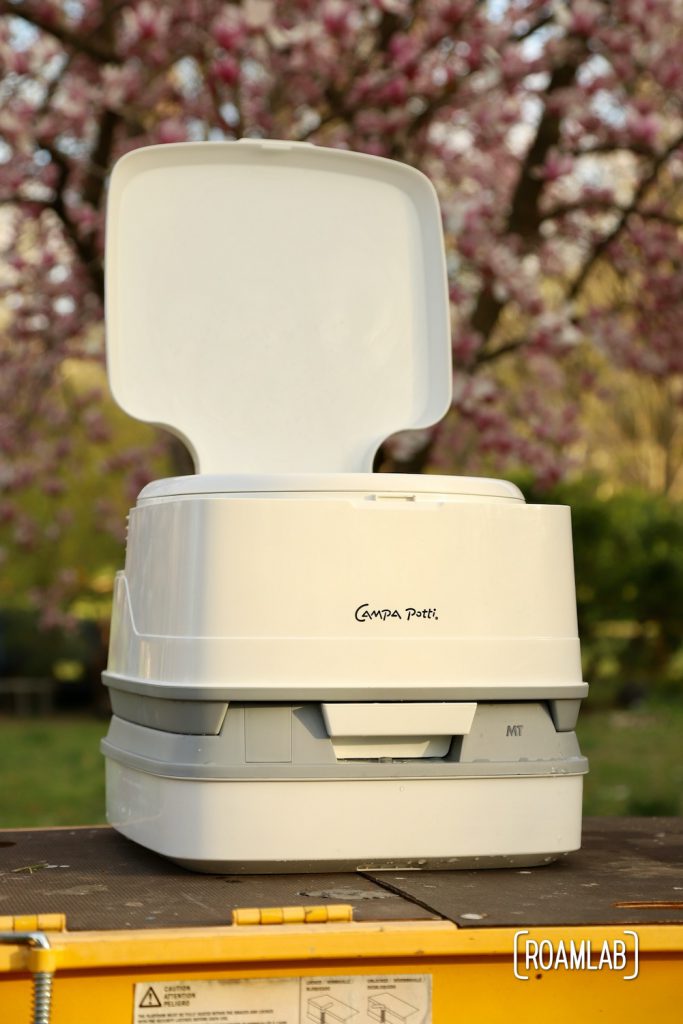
534, 956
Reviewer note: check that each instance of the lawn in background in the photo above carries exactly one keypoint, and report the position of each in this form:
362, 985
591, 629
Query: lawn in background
52, 773
636, 760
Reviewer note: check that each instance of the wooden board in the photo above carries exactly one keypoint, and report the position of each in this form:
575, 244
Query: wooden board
104, 882
630, 870
622, 861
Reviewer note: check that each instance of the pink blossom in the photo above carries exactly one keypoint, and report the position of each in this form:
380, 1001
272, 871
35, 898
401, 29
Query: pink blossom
228, 29
120, 83
146, 21
644, 127
447, 86
227, 70
171, 130
336, 17
556, 166
585, 16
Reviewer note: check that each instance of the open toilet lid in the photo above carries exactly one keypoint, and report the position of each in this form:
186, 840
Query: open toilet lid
280, 306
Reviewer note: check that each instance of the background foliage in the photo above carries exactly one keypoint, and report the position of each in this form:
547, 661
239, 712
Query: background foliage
553, 132
628, 557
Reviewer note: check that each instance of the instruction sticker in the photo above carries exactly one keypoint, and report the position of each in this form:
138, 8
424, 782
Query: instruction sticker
339, 999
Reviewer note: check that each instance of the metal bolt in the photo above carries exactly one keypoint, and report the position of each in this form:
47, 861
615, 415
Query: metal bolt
42, 980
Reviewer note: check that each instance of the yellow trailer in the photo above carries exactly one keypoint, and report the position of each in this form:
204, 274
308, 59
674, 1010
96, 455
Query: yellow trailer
102, 930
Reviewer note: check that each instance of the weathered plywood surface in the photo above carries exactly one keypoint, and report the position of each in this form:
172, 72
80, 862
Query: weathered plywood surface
630, 870
104, 882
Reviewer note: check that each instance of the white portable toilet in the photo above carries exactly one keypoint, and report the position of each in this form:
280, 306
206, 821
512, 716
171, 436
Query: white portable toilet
313, 666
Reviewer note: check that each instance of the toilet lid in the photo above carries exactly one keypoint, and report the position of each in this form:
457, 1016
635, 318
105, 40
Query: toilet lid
281, 307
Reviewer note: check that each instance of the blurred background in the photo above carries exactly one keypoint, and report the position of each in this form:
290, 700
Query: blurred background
553, 133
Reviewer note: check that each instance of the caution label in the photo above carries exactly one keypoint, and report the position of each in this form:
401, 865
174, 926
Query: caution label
338, 999
150, 998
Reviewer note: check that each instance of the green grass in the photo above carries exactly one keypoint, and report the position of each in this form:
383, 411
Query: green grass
636, 760
52, 773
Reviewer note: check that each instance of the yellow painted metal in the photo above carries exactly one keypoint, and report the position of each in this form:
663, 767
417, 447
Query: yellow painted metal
43, 960
472, 969
293, 915
33, 923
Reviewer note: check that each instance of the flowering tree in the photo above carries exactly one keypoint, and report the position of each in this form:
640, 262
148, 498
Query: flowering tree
553, 132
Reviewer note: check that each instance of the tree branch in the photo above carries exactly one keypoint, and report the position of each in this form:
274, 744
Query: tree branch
608, 206
582, 206
100, 159
502, 350
524, 217
88, 45
85, 249
639, 194
541, 22
610, 148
